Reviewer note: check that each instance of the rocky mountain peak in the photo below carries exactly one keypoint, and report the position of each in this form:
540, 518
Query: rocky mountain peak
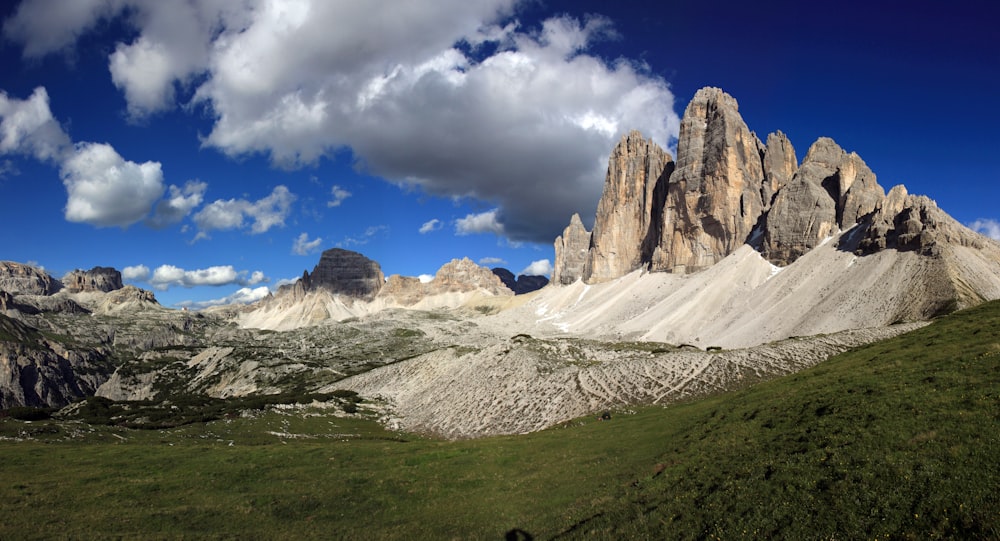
103, 279
717, 193
21, 279
572, 250
345, 272
831, 191
626, 229
465, 275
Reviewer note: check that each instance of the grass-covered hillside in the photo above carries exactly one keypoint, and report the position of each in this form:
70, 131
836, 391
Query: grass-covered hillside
895, 440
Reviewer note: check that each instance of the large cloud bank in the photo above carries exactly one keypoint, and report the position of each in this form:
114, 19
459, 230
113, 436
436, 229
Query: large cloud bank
452, 96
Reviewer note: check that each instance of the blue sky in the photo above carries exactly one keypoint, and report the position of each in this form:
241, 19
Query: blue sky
212, 148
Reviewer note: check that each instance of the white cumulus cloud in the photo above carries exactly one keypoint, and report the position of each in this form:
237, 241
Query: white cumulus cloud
487, 261
304, 246
178, 204
104, 189
451, 96
542, 267
139, 273
167, 276
484, 222
262, 214
988, 227
426, 278
244, 295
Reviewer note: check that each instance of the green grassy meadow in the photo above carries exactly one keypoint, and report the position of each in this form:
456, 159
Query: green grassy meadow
897, 440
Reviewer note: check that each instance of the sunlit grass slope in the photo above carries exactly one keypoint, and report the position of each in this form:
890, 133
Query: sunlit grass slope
898, 439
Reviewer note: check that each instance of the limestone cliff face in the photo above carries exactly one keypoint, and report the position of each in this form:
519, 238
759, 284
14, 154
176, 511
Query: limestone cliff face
779, 163
716, 194
17, 278
345, 272
572, 251
830, 192
627, 226
96, 279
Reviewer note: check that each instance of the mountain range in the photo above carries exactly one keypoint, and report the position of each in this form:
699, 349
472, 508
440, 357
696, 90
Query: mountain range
735, 246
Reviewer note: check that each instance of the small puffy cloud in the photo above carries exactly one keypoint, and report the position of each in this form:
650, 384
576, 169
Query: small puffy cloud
338, 194
166, 276
542, 267
243, 295
178, 204
487, 261
137, 273
426, 278
988, 227
484, 222
262, 214
430, 225
105, 190
28, 127
304, 246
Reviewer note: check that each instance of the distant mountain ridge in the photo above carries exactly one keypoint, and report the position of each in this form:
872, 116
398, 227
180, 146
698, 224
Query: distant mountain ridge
346, 284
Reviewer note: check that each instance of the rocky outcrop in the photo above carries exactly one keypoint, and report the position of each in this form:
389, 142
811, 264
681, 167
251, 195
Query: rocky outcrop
21, 279
96, 279
128, 298
36, 371
346, 273
461, 275
456, 276
907, 222
718, 191
830, 192
627, 226
522, 283
572, 250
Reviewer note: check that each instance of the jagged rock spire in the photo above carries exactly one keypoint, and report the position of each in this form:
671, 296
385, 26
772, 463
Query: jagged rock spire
627, 226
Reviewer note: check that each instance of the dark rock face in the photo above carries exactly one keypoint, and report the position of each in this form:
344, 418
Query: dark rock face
96, 279
20, 279
345, 272
521, 284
